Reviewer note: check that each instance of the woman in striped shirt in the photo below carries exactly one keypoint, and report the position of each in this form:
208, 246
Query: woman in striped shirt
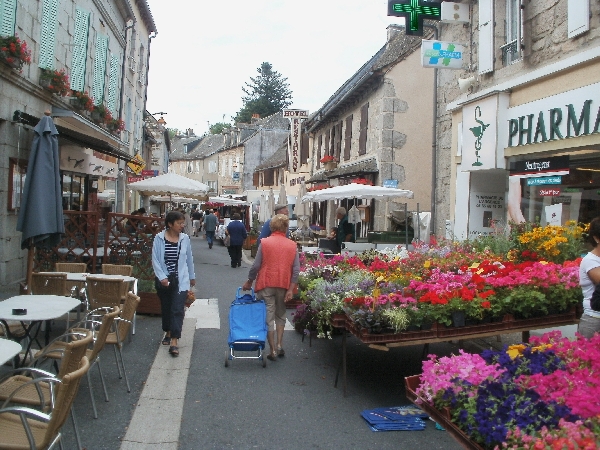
173, 266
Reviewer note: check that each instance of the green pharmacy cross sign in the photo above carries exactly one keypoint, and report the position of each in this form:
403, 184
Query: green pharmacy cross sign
414, 11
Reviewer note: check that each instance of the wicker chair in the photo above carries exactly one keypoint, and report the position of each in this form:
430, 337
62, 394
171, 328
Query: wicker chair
119, 269
51, 283
71, 267
116, 338
103, 292
22, 427
19, 389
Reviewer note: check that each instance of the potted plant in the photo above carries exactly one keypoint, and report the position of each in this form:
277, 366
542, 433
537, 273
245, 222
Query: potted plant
14, 52
55, 81
329, 162
100, 115
115, 125
82, 101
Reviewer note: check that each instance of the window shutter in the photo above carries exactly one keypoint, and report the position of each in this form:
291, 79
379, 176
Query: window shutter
364, 126
337, 143
486, 36
327, 139
578, 17
100, 69
79, 56
48, 33
8, 17
348, 137
255, 181
113, 85
319, 146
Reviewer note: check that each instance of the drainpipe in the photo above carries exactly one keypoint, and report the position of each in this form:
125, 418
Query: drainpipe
434, 135
152, 36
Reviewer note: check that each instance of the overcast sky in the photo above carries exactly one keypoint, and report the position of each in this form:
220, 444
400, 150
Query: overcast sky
206, 50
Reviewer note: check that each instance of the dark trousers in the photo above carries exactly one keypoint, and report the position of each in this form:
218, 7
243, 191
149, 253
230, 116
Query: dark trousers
235, 252
172, 304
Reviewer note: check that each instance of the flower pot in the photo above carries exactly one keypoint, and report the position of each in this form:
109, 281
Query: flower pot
46, 83
458, 318
330, 165
10, 60
96, 117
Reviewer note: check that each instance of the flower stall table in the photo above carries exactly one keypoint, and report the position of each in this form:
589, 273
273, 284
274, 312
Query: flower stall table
440, 333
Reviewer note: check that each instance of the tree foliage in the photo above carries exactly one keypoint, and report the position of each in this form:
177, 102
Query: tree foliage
265, 94
217, 128
173, 132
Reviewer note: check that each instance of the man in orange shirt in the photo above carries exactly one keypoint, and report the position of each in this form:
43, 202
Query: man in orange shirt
275, 269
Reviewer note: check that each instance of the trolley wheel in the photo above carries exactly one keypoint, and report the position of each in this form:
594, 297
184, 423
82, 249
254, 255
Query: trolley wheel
227, 358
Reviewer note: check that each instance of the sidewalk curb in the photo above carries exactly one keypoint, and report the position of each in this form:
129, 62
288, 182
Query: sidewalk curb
162, 396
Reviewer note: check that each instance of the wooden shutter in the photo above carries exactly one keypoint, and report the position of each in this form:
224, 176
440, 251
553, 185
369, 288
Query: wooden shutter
113, 85
8, 17
255, 179
364, 126
304, 148
269, 177
48, 33
100, 69
486, 36
348, 137
337, 144
319, 146
327, 140
79, 56
578, 17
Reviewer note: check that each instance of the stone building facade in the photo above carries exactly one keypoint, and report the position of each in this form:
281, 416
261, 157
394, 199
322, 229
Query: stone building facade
104, 49
523, 141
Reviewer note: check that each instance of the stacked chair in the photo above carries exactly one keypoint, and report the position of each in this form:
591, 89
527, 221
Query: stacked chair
51, 283
73, 268
32, 387
125, 270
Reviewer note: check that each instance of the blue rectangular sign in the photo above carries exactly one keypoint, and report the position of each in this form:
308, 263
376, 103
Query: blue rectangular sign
538, 181
390, 183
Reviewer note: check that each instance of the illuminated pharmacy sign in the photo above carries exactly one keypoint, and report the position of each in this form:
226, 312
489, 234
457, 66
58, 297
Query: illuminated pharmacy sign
562, 116
414, 12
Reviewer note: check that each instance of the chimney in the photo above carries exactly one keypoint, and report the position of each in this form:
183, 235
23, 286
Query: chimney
393, 30
255, 118
190, 132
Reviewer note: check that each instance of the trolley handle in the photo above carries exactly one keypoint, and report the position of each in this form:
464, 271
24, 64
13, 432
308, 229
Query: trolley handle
240, 298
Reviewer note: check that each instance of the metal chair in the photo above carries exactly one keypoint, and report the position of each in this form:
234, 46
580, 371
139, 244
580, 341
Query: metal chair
116, 338
19, 387
23, 427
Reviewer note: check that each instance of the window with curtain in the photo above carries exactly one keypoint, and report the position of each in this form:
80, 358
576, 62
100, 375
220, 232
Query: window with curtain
511, 51
17, 171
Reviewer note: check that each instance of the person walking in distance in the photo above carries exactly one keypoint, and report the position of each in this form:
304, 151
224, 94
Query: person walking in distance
173, 266
196, 221
210, 226
275, 269
237, 233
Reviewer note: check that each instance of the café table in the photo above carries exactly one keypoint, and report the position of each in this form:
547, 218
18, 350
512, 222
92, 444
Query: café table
8, 349
35, 309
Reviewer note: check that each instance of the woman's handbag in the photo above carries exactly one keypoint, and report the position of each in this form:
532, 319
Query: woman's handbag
191, 297
227, 241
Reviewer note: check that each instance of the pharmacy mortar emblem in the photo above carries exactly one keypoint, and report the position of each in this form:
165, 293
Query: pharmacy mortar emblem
478, 133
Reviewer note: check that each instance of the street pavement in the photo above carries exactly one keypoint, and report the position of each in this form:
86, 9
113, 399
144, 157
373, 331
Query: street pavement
194, 401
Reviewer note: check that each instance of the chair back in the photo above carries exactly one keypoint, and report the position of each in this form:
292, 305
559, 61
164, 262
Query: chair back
71, 267
100, 335
49, 283
103, 291
127, 313
69, 347
66, 393
117, 269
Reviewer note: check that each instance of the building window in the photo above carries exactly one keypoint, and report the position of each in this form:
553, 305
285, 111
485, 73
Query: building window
17, 172
212, 167
185, 148
212, 185
511, 51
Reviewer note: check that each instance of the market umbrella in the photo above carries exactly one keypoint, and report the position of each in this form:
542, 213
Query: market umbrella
270, 209
282, 194
355, 190
40, 218
171, 184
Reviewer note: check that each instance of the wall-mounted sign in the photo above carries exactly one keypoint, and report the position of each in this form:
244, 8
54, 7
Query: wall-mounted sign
296, 116
149, 173
235, 176
558, 165
567, 115
298, 113
414, 12
134, 179
137, 164
479, 134
549, 192
390, 184
485, 209
543, 180
442, 55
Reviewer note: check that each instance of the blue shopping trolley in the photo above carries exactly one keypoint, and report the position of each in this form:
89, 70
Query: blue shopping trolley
247, 327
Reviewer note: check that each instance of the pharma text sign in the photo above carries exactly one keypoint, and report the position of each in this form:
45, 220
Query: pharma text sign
441, 55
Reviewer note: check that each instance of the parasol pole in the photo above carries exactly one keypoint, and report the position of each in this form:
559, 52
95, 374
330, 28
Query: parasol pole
30, 252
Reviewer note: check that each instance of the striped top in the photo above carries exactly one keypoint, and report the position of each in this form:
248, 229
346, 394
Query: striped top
171, 255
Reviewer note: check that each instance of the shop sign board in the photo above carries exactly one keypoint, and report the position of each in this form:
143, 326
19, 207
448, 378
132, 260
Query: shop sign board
543, 180
479, 134
561, 116
134, 179
149, 173
296, 116
137, 164
390, 184
485, 208
441, 55
549, 192
532, 168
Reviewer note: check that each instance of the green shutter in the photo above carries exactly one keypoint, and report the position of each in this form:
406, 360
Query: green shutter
99, 69
82, 26
48, 33
8, 17
113, 85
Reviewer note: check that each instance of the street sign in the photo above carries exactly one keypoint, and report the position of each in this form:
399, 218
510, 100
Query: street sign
390, 184
137, 164
414, 11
